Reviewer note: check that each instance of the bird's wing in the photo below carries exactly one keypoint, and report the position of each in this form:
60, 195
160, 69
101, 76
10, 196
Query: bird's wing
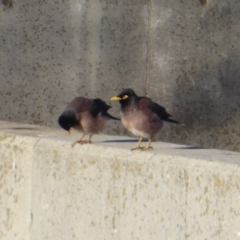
98, 107
150, 108
80, 104
160, 111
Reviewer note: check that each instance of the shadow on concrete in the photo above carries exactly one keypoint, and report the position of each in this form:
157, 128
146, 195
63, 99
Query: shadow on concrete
19, 128
190, 148
123, 140
23, 128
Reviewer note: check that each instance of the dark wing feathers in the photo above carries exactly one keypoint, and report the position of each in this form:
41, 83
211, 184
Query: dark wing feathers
98, 106
94, 106
156, 108
159, 110
80, 104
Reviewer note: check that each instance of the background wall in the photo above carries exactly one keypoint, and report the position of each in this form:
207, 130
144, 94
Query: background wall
182, 54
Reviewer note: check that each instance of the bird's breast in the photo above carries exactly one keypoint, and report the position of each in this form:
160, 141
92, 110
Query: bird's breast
141, 123
79, 127
90, 124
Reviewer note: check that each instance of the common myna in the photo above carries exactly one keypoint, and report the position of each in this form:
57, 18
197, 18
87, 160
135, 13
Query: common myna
86, 115
141, 116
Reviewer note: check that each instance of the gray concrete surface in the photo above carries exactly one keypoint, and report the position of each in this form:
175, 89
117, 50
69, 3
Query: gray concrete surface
183, 55
104, 191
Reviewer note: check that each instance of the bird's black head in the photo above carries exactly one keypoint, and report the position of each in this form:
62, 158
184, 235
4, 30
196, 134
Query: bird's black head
126, 97
67, 120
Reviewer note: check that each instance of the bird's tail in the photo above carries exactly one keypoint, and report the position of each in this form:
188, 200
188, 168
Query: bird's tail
109, 116
169, 120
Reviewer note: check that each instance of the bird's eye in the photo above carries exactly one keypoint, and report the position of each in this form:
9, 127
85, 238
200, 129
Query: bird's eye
125, 97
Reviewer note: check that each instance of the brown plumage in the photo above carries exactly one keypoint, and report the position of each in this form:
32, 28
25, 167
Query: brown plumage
85, 115
141, 116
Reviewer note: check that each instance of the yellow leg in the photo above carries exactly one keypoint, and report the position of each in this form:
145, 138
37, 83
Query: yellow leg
148, 145
138, 144
79, 140
87, 141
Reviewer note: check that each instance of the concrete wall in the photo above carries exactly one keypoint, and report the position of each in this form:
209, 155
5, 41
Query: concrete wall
183, 55
104, 191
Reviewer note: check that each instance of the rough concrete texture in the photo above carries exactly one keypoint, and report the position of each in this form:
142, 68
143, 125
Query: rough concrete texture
182, 54
104, 191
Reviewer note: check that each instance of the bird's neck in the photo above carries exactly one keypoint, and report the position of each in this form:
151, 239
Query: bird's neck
128, 105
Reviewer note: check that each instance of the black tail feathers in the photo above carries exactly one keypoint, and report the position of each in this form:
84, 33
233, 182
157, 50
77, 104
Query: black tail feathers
109, 116
174, 121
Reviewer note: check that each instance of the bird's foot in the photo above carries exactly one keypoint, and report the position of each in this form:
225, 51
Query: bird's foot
81, 142
142, 148
86, 142
146, 148
137, 148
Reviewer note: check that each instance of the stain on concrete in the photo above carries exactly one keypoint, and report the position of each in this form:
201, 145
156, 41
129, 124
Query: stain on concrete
7, 3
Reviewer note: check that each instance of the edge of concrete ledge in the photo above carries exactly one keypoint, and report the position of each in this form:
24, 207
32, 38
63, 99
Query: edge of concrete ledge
173, 185
39, 136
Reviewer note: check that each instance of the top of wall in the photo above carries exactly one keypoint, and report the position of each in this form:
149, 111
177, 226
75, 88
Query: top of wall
10, 132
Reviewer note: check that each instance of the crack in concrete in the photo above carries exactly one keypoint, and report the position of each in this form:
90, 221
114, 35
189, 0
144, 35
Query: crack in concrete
148, 47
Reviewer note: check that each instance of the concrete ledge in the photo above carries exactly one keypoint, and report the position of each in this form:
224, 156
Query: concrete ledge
104, 191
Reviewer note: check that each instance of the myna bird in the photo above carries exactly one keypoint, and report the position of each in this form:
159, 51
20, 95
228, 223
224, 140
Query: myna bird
86, 115
141, 116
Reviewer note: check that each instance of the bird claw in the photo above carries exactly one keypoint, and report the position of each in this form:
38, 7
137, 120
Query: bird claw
146, 148
137, 148
81, 142
86, 142
141, 148
73, 144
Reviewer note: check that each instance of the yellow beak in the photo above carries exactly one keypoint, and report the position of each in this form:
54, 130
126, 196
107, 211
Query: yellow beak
116, 98
69, 131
